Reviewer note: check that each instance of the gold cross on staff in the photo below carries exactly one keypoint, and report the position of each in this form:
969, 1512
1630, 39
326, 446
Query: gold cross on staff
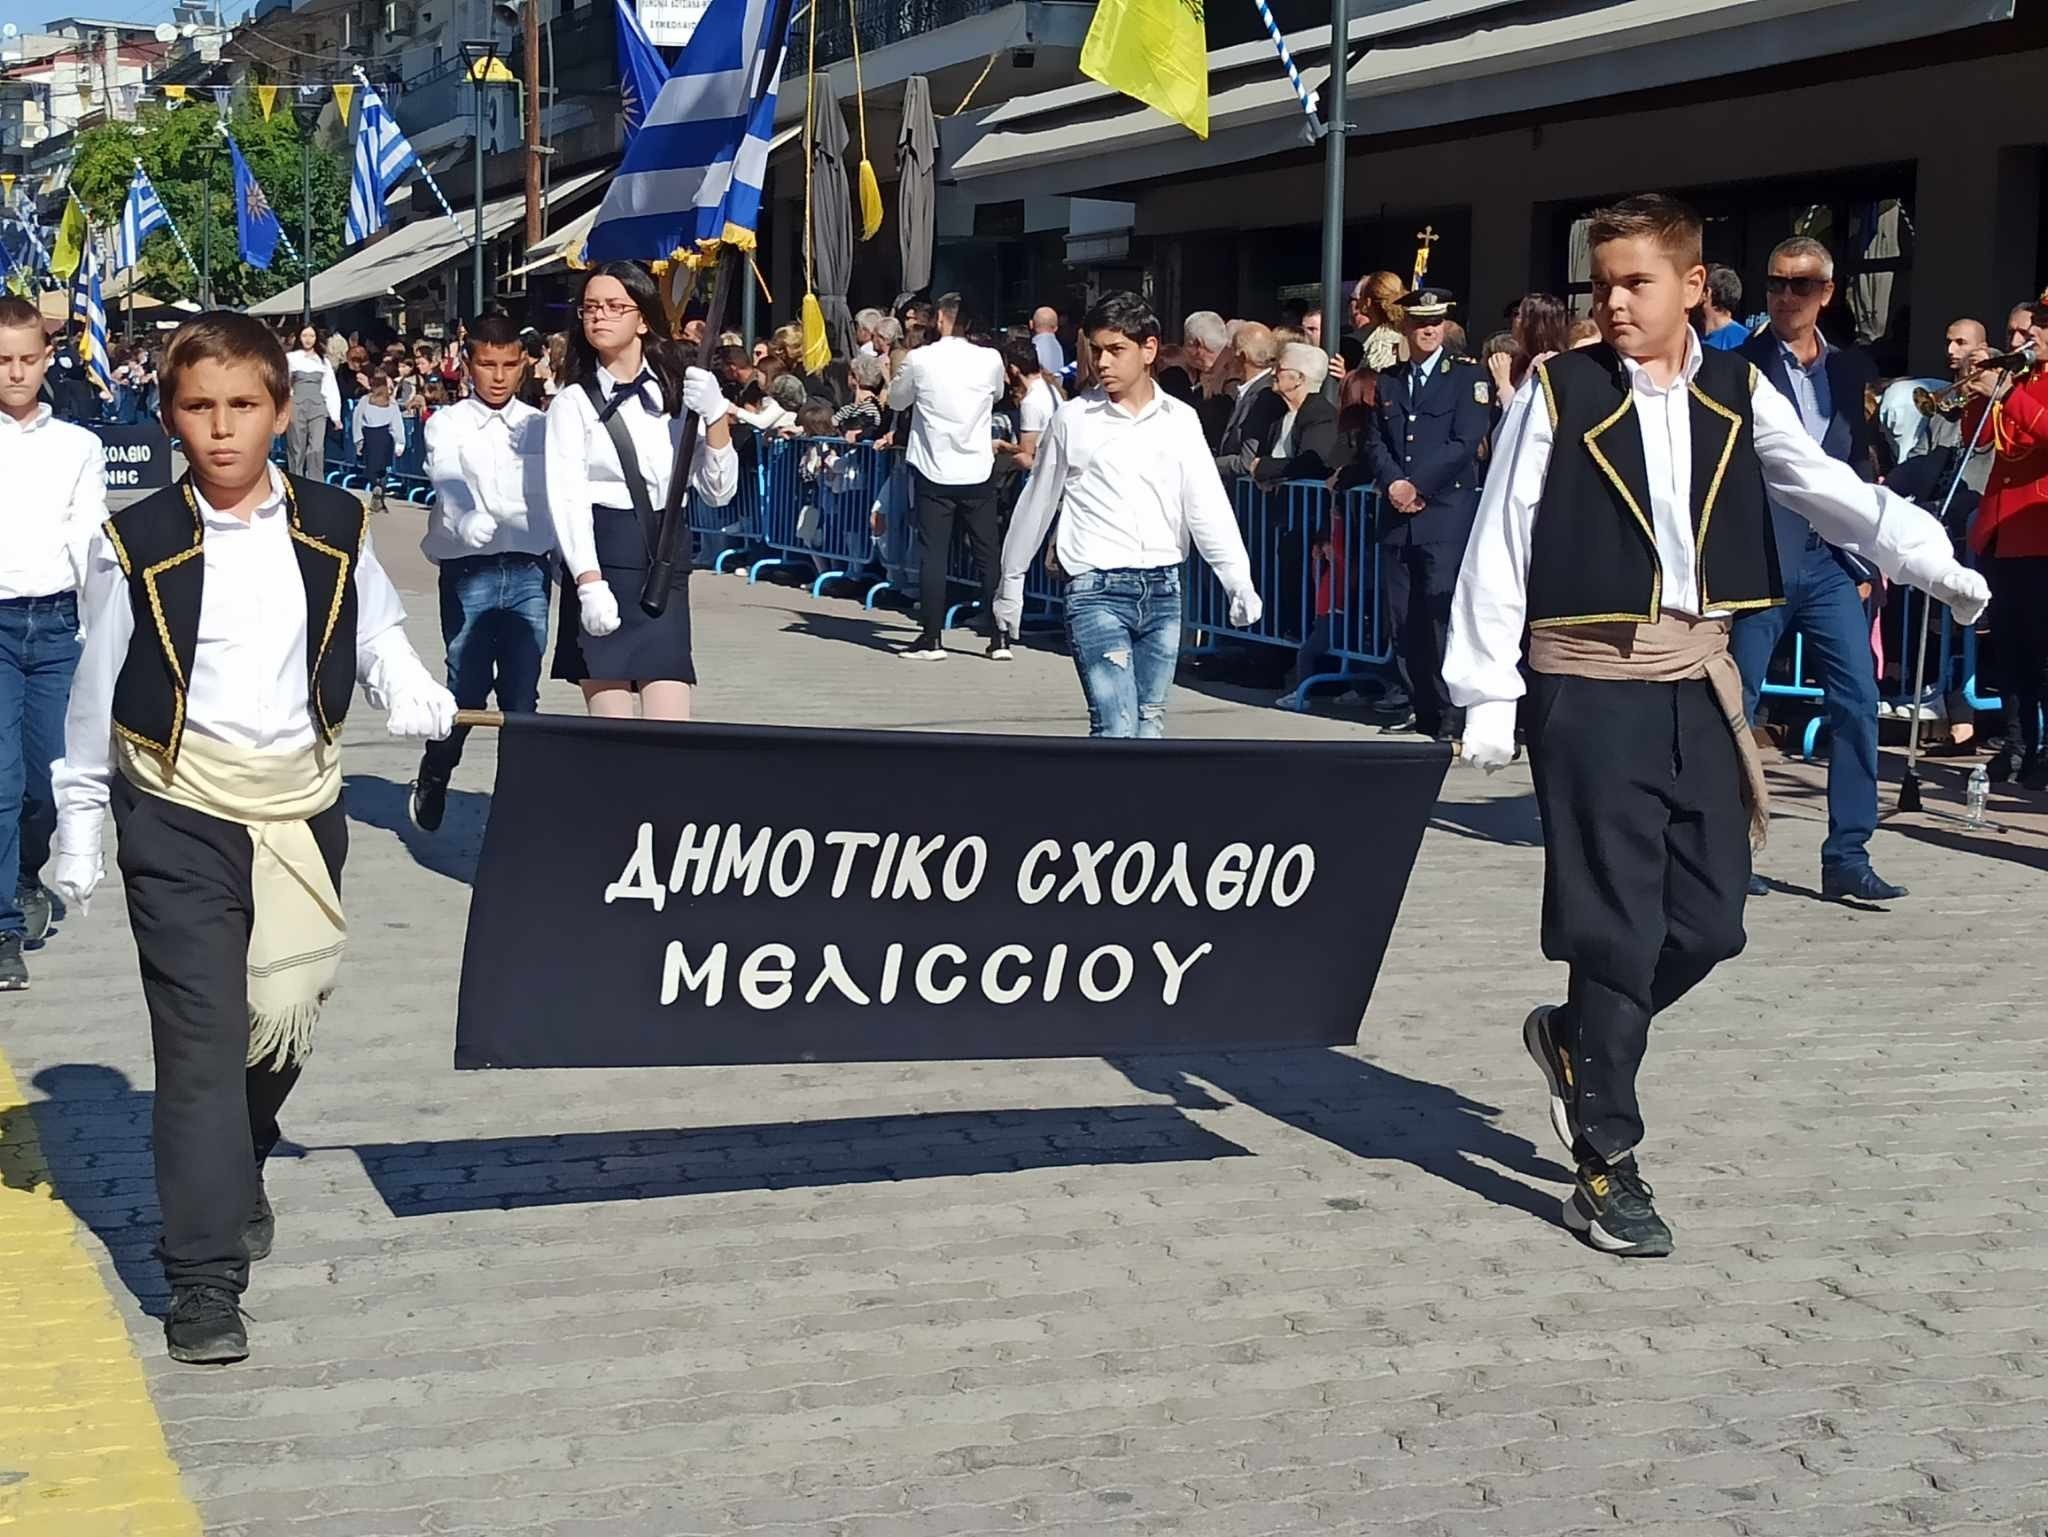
1425, 238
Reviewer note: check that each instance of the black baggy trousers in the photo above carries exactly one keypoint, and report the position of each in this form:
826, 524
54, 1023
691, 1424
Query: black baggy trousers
1646, 867
938, 507
187, 877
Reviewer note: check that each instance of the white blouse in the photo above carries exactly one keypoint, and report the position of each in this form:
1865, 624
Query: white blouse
582, 467
310, 364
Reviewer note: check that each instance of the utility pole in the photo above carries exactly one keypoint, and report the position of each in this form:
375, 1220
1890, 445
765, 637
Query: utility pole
1336, 142
206, 231
529, 45
306, 109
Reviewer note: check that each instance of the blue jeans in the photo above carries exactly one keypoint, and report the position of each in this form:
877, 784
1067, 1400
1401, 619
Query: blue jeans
1124, 629
494, 620
1821, 603
38, 654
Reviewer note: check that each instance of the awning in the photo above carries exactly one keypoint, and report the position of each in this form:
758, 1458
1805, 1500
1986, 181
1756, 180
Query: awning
1432, 63
411, 250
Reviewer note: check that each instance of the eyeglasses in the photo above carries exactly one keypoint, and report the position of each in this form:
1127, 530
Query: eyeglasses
616, 309
1804, 288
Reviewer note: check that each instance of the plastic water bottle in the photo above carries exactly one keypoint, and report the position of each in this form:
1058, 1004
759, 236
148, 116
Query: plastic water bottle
1980, 787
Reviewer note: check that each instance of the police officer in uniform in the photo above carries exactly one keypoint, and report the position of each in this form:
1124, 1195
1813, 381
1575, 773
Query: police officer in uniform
1421, 449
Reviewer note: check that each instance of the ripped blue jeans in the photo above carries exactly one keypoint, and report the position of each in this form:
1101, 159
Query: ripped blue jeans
1124, 630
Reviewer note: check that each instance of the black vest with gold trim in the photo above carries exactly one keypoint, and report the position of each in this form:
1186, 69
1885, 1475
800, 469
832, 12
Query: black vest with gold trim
1594, 555
158, 542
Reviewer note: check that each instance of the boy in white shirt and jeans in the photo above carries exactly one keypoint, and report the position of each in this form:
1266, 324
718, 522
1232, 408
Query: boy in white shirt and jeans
493, 540
1128, 473
57, 497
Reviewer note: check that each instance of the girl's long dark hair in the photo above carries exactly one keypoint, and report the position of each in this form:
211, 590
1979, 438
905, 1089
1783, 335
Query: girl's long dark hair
1542, 324
665, 359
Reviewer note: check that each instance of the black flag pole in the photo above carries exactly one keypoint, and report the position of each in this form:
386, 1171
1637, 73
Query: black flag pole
661, 570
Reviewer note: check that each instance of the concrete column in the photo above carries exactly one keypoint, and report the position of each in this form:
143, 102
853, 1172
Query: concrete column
1977, 218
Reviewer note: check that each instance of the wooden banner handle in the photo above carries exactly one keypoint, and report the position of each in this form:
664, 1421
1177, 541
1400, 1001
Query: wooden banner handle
492, 719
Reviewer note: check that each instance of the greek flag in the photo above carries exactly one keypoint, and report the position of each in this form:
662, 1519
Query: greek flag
89, 314
383, 154
143, 215
693, 172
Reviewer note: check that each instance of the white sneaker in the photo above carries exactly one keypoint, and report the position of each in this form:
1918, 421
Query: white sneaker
927, 649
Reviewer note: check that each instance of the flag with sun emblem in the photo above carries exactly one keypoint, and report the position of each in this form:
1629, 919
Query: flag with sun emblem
255, 221
641, 70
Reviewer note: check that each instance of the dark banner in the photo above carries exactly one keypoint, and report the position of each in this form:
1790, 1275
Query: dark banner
138, 458
663, 895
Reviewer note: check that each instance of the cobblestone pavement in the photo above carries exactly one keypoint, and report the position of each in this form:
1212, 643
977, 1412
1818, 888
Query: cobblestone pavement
1303, 1292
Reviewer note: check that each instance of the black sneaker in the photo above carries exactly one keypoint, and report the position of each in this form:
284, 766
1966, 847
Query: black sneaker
35, 904
204, 1326
13, 970
1611, 1209
999, 647
927, 649
429, 800
259, 1237
1556, 1067
2003, 764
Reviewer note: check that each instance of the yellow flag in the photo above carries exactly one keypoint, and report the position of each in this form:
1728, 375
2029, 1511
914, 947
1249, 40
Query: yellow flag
266, 98
70, 248
174, 93
7, 188
1156, 51
343, 95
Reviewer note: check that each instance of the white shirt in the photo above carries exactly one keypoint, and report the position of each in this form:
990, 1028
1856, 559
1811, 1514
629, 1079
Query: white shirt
1035, 410
55, 480
248, 684
583, 467
1051, 357
309, 364
480, 460
1130, 491
1904, 427
954, 386
1489, 611
390, 415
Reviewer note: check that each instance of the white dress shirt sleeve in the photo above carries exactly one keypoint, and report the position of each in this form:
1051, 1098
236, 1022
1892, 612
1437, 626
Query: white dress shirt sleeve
1032, 520
903, 388
1905, 542
80, 780
453, 495
567, 459
86, 514
1206, 511
330, 392
386, 665
715, 473
1490, 609
397, 433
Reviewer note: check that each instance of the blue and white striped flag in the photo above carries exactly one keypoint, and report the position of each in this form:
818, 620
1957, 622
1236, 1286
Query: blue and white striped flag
142, 217
89, 314
694, 170
383, 154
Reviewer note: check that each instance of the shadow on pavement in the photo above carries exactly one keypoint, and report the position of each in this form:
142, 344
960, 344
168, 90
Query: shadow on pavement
1990, 845
419, 1179
93, 1126
1369, 1112
1510, 820
378, 802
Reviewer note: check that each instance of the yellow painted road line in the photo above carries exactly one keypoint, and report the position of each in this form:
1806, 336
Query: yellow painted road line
82, 1452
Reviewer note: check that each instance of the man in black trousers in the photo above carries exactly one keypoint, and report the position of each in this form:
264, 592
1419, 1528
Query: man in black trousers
1422, 447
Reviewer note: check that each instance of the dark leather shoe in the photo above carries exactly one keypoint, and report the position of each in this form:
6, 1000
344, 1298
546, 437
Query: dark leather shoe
204, 1326
259, 1235
1859, 883
1758, 886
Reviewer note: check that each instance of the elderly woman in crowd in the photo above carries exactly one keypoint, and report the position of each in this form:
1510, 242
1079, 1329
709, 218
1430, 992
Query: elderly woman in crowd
1307, 447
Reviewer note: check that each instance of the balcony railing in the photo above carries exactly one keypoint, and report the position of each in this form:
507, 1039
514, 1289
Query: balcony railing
881, 23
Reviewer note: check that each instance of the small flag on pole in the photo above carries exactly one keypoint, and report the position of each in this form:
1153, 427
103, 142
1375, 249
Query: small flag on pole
70, 240
89, 312
383, 154
144, 215
255, 221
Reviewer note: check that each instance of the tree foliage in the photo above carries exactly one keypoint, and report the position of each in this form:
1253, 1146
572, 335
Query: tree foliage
174, 146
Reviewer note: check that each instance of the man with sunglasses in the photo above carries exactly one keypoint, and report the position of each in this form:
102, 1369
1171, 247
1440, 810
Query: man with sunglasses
1826, 587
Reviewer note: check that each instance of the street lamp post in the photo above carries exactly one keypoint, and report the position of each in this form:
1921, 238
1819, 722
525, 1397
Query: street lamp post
479, 54
307, 111
1336, 144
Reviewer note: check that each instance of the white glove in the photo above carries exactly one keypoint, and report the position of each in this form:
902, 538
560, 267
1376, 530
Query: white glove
476, 529
600, 609
1490, 734
702, 395
76, 877
1965, 592
1245, 609
428, 711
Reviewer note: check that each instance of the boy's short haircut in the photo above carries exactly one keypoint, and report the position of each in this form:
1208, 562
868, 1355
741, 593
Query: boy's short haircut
225, 336
814, 417
1673, 225
1124, 313
1023, 357
17, 312
1724, 287
494, 329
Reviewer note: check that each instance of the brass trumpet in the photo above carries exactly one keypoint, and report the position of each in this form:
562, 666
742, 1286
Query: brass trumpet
1947, 403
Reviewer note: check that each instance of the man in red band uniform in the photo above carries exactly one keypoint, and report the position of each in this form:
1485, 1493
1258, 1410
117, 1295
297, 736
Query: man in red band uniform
2009, 536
